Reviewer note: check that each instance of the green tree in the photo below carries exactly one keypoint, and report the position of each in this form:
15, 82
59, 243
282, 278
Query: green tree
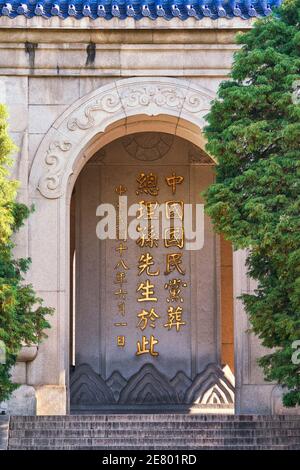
22, 316
254, 132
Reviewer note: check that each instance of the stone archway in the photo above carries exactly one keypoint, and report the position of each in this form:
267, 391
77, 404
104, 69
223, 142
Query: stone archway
121, 108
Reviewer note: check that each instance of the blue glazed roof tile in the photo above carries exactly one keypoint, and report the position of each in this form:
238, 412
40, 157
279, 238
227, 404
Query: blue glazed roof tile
138, 9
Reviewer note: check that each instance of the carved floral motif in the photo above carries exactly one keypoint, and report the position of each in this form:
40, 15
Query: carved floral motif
169, 96
49, 184
110, 103
162, 96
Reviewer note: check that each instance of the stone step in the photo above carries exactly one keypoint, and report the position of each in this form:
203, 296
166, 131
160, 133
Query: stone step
47, 420
160, 447
160, 418
154, 432
155, 426
170, 440
145, 433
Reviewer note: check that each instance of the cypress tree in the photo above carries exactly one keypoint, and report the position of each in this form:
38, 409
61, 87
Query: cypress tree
254, 132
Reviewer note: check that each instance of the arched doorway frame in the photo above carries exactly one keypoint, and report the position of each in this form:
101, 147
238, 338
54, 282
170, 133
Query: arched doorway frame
123, 107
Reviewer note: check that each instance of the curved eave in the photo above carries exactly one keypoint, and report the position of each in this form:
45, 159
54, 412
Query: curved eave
137, 10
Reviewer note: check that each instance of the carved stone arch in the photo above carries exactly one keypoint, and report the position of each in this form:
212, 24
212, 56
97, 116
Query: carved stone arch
178, 103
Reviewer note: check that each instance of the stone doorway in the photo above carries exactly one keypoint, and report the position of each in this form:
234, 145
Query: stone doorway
188, 366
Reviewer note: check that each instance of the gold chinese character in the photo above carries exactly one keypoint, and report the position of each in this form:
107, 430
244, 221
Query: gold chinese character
121, 264
148, 238
146, 317
121, 293
148, 210
120, 278
121, 308
174, 210
174, 318
120, 190
145, 263
173, 181
121, 341
121, 228
174, 236
121, 248
120, 324
174, 261
147, 292
174, 287
142, 347
147, 183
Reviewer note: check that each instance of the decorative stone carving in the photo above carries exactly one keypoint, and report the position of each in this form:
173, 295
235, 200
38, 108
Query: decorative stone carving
148, 146
88, 388
199, 156
196, 102
95, 112
116, 383
162, 96
168, 96
49, 183
109, 103
150, 387
181, 382
212, 386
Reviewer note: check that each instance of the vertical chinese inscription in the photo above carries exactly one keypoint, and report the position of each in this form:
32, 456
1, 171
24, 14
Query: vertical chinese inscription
121, 269
147, 317
155, 312
174, 239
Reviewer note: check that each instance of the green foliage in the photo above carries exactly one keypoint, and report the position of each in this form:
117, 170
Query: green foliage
254, 132
22, 316
7, 188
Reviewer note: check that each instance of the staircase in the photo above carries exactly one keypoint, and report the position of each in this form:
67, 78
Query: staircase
154, 431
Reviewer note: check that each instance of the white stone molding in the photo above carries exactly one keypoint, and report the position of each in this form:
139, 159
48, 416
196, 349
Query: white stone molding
71, 23
55, 159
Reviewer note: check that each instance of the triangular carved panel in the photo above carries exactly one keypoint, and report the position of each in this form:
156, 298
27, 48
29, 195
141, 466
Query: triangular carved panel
181, 382
88, 388
148, 386
212, 384
116, 383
